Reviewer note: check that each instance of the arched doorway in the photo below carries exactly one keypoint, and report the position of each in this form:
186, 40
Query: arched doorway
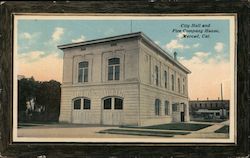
112, 111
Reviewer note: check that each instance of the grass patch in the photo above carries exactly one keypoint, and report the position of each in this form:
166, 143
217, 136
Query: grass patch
143, 133
177, 126
224, 129
209, 120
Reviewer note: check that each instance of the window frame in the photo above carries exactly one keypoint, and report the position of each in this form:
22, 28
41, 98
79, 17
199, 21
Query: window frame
157, 107
84, 72
114, 67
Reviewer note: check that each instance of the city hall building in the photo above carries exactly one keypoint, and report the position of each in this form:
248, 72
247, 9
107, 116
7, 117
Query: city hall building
122, 80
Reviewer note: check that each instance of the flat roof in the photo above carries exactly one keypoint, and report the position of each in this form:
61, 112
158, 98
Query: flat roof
224, 100
127, 36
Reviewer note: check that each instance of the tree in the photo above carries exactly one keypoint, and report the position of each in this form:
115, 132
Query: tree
46, 95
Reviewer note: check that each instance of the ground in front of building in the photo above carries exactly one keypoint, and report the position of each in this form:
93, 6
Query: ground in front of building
172, 130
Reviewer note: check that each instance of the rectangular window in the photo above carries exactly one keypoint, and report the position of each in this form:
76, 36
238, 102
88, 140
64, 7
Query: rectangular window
83, 71
114, 69
110, 73
166, 108
107, 103
183, 87
172, 77
174, 107
86, 104
117, 72
179, 86
85, 75
166, 78
118, 104
156, 75
80, 74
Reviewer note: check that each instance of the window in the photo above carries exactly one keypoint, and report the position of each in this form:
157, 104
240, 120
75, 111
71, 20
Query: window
166, 107
83, 71
115, 102
183, 86
157, 107
172, 78
166, 79
118, 103
156, 75
114, 69
179, 87
174, 107
107, 103
77, 104
86, 104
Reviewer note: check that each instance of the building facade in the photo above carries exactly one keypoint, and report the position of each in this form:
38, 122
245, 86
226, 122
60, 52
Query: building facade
122, 80
209, 109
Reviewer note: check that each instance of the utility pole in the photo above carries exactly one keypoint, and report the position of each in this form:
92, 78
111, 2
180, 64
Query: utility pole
221, 92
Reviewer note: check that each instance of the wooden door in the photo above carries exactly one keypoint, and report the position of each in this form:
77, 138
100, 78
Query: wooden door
112, 111
81, 111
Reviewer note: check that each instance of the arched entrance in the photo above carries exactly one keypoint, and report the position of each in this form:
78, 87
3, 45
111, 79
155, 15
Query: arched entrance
112, 111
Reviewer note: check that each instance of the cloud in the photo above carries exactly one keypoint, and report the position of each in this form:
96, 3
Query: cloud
219, 47
29, 36
31, 56
58, 32
201, 54
81, 39
196, 45
181, 35
206, 76
41, 68
175, 44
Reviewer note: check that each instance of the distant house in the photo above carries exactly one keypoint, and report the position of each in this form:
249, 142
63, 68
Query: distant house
122, 80
209, 109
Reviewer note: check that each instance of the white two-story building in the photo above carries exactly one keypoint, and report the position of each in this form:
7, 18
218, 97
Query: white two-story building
122, 80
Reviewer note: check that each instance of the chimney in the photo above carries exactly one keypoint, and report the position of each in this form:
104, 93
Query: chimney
175, 56
218, 98
197, 98
207, 98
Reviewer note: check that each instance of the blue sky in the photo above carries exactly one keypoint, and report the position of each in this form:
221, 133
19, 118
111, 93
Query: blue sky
207, 58
159, 31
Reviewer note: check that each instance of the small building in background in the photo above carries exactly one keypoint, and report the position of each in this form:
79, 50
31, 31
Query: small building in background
210, 110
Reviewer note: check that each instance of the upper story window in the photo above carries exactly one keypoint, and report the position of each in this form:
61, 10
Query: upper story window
166, 79
114, 69
172, 78
83, 71
183, 86
156, 75
179, 85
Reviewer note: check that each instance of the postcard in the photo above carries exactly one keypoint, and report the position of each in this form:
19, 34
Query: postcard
168, 78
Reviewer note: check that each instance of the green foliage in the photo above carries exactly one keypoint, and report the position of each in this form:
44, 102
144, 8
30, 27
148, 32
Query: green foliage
47, 97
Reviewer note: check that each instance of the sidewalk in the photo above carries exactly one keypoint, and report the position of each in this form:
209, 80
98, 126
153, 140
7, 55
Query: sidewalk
208, 132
